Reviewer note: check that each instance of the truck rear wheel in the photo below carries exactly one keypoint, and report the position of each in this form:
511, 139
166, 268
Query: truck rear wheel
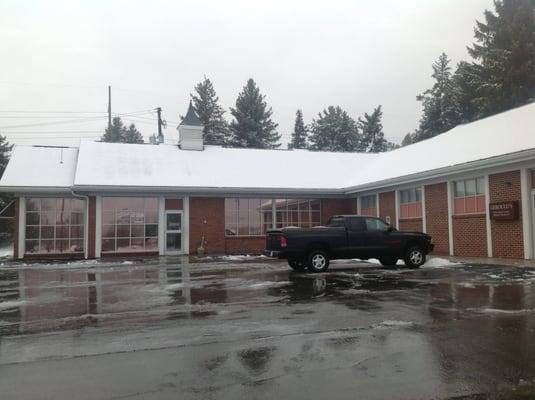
318, 261
297, 265
414, 257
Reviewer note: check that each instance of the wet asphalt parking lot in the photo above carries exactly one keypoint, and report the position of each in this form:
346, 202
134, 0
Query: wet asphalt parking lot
234, 329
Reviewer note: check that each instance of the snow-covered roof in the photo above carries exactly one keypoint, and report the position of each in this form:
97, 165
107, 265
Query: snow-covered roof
40, 167
167, 166
108, 166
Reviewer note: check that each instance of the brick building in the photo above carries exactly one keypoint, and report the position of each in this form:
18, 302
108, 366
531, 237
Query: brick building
471, 188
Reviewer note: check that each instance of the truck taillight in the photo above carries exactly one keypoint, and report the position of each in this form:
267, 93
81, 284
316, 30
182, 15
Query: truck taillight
284, 243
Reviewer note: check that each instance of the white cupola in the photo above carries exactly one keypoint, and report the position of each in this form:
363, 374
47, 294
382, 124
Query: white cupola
190, 131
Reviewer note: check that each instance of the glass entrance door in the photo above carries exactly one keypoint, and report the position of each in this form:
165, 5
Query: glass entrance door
173, 232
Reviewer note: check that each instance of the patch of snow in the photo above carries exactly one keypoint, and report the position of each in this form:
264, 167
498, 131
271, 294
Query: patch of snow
6, 305
243, 257
394, 324
6, 251
263, 285
502, 311
437, 262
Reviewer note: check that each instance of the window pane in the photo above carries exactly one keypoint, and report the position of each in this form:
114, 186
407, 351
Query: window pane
470, 186
33, 205
32, 246
480, 185
459, 189
418, 194
47, 232
404, 196
32, 218
77, 232
128, 222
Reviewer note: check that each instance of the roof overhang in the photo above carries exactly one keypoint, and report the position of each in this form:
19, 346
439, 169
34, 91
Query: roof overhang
511, 158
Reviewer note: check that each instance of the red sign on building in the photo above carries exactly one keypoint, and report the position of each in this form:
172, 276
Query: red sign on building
504, 211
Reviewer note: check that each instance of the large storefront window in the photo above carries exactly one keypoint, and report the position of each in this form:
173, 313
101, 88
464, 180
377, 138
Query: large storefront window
54, 225
129, 224
253, 217
368, 205
410, 203
302, 213
469, 196
247, 217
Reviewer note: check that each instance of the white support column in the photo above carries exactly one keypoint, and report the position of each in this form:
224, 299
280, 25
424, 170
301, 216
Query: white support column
161, 225
22, 226
185, 224
487, 217
274, 214
526, 207
86, 228
450, 216
359, 206
396, 196
98, 226
377, 205
424, 217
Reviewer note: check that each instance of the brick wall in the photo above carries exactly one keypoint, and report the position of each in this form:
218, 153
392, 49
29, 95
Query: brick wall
470, 235
207, 217
387, 206
91, 226
330, 207
245, 245
436, 215
411, 224
507, 236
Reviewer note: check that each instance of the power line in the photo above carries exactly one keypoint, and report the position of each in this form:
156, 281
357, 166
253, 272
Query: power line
52, 112
53, 123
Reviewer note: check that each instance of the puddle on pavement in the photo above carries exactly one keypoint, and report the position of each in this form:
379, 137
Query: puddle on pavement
48, 299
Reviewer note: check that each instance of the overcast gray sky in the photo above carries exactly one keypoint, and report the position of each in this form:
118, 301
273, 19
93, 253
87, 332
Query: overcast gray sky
61, 55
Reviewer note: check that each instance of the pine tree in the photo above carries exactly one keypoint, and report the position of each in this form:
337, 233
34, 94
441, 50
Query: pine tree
299, 135
372, 137
440, 103
252, 125
504, 55
131, 135
115, 134
210, 113
334, 130
5, 152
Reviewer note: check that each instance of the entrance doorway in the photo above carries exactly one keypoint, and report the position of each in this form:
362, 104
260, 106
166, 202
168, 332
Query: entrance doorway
173, 232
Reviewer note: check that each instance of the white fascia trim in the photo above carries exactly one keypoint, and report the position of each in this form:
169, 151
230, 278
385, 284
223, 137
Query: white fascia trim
213, 191
526, 204
487, 217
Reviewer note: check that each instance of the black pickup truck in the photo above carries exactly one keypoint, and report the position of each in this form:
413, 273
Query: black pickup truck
346, 237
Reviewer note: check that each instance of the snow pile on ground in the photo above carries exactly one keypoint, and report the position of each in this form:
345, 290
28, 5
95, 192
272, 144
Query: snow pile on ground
437, 262
6, 251
393, 324
6, 305
243, 257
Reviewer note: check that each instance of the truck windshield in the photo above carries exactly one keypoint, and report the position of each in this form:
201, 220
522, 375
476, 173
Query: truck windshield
336, 223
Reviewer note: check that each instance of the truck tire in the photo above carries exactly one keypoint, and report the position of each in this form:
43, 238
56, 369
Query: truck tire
414, 257
388, 261
297, 265
318, 261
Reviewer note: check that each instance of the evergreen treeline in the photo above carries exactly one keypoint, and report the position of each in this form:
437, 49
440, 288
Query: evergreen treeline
500, 76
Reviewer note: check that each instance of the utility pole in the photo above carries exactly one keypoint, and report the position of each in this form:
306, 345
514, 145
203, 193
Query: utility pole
109, 109
160, 124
